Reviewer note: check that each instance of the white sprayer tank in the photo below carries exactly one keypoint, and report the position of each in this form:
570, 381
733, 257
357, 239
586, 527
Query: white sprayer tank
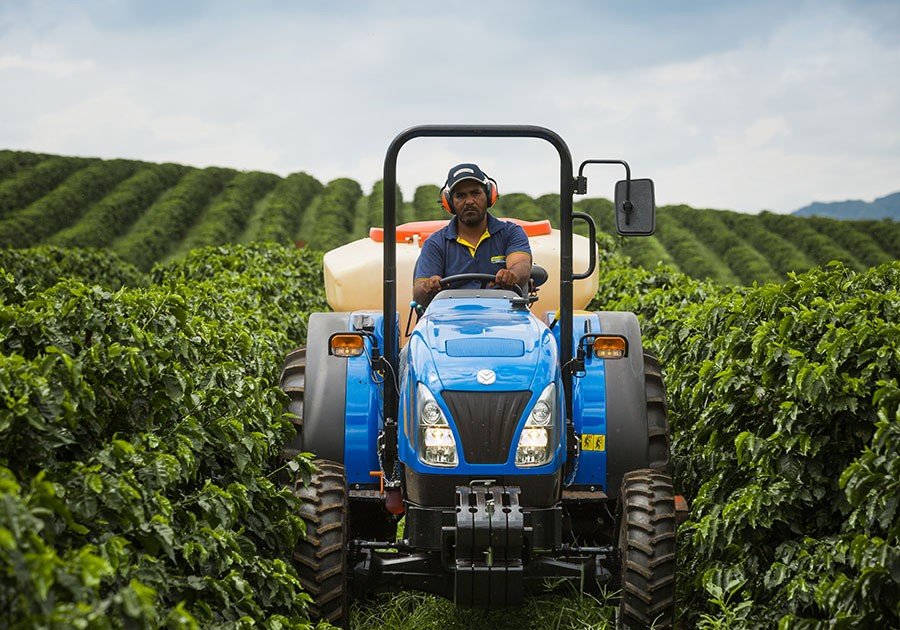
354, 272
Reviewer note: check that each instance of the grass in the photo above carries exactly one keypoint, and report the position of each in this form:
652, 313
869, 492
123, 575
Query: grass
419, 611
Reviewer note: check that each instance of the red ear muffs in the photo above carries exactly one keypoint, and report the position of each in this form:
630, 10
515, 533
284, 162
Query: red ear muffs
446, 204
490, 189
492, 193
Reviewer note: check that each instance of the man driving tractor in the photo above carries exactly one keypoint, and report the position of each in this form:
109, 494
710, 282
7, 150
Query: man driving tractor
474, 241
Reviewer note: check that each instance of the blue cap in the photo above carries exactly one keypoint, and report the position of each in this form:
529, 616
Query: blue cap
462, 172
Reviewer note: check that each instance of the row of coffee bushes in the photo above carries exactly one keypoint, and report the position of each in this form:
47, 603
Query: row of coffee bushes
744, 261
168, 219
140, 433
864, 247
111, 217
62, 206
816, 246
226, 218
281, 213
785, 412
32, 179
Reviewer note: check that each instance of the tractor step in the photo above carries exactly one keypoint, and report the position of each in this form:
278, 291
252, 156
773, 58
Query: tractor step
582, 496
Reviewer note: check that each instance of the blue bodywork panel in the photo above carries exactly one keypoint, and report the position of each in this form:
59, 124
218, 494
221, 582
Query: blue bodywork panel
589, 407
363, 407
454, 339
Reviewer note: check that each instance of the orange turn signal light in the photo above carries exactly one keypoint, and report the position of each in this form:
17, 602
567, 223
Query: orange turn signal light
346, 345
610, 347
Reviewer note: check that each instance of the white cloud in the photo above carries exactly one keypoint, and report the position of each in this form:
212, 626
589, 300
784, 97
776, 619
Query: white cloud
798, 107
55, 67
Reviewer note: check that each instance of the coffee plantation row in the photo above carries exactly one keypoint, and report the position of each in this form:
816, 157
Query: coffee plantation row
151, 213
141, 426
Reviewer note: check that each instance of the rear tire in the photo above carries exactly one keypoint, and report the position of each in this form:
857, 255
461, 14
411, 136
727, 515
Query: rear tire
647, 550
293, 383
321, 556
657, 416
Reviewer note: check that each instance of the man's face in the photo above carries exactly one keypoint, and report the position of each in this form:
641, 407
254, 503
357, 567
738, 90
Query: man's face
469, 202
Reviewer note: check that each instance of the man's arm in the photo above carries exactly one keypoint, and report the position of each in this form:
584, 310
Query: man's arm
429, 270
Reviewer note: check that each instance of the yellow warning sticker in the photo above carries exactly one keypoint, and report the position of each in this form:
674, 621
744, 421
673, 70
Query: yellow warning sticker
591, 442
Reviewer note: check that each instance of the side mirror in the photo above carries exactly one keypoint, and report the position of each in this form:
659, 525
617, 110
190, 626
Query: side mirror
637, 217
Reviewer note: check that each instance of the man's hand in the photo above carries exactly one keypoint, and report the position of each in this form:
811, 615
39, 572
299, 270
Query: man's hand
426, 288
432, 285
517, 271
507, 278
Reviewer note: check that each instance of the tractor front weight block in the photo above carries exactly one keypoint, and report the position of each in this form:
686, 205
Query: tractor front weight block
489, 547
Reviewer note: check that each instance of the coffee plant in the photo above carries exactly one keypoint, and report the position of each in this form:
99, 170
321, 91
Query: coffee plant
140, 434
785, 412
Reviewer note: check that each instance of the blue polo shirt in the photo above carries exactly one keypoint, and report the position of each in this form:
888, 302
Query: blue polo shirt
444, 253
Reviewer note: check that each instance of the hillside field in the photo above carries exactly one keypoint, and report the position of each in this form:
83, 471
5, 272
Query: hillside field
149, 213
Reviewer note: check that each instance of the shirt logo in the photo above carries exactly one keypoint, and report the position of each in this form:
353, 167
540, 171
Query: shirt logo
486, 377
498, 259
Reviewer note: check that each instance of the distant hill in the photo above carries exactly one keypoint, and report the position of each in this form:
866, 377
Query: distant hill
882, 208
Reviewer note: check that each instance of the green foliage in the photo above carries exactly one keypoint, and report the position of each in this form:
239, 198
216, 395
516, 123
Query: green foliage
12, 162
549, 205
110, 217
281, 212
518, 206
329, 224
781, 254
417, 611
886, 233
601, 211
40, 268
427, 204
648, 252
165, 222
140, 434
374, 215
60, 208
817, 247
225, 219
783, 404
31, 183
744, 262
863, 247
690, 250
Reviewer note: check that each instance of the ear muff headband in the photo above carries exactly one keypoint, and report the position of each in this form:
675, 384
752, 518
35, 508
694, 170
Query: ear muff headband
490, 189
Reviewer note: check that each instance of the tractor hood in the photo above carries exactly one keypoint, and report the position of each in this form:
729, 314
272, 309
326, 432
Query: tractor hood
482, 344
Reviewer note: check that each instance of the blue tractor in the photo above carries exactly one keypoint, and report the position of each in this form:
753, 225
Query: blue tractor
516, 448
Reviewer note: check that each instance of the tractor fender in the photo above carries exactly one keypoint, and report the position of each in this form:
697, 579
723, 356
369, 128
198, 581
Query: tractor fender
627, 436
325, 397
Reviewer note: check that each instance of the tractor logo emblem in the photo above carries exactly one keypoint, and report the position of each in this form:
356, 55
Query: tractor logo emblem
486, 377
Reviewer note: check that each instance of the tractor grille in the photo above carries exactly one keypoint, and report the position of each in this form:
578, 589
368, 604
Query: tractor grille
486, 422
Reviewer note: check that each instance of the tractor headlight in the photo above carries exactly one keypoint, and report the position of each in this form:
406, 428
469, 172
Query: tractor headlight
538, 439
437, 446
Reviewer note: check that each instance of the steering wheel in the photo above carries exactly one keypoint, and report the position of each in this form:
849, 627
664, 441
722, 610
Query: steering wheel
483, 278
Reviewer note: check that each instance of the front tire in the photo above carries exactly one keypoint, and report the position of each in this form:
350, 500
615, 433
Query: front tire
321, 556
647, 550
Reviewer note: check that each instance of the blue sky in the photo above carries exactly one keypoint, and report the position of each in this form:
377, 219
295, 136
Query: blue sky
734, 105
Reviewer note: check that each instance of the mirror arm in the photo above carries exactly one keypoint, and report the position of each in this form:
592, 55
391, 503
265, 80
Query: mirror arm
581, 184
581, 180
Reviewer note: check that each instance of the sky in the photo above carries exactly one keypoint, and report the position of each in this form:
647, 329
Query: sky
748, 106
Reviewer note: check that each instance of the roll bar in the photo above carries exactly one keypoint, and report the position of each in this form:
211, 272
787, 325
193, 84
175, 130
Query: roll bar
566, 193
